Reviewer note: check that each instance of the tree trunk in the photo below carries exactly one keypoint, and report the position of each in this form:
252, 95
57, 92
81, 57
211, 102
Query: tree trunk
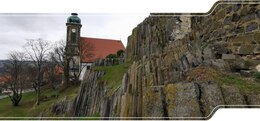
66, 74
16, 98
38, 86
38, 94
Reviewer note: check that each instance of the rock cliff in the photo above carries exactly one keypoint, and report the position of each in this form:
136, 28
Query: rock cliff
182, 66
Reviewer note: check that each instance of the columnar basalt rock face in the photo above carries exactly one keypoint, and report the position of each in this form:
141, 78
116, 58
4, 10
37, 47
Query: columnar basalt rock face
164, 50
155, 33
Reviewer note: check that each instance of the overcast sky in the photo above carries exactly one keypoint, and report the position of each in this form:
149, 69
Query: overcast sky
16, 28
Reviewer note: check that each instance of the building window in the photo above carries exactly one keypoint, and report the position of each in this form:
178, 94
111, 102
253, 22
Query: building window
73, 37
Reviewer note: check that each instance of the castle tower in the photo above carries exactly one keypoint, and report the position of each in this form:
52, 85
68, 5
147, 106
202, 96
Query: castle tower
73, 44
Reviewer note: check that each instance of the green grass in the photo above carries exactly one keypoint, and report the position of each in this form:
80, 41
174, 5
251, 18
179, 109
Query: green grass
113, 76
246, 86
203, 73
27, 107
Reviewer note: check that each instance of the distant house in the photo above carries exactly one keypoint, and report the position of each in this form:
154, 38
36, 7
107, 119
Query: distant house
4, 79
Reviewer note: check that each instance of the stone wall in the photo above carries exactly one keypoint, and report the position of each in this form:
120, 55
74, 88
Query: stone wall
229, 35
108, 61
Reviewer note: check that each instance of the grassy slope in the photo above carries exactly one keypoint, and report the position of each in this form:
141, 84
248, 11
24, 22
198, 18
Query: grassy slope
246, 86
113, 75
27, 107
207, 73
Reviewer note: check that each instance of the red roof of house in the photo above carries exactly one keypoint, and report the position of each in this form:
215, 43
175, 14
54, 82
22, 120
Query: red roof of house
59, 70
4, 79
100, 48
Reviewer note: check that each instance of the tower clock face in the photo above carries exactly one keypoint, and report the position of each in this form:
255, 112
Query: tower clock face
73, 30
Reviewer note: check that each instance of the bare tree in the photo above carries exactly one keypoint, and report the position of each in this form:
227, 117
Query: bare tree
59, 55
59, 52
86, 51
14, 73
37, 50
52, 70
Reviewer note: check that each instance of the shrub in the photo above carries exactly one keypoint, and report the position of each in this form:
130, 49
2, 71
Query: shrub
257, 75
120, 53
110, 56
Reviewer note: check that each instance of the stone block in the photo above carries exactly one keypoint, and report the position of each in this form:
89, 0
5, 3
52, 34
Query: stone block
211, 96
239, 30
220, 14
257, 36
252, 62
221, 48
182, 100
152, 102
207, 53
247, 17
253, 99
236, 7
258, 14
237, 44
246, 49
228, 57
235, 17
252, 10
244, 11
228, 9
220, 64
252, 26
246, 73
228, 20
242, 38
232, 96
239, 64
257, 49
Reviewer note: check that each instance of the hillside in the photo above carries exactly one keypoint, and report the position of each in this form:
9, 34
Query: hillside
27, 108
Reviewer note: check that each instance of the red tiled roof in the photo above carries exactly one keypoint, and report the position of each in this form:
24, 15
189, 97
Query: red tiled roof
101, 48
59, 70
4, 79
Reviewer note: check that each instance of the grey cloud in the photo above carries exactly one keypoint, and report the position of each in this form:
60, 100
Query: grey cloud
16, 28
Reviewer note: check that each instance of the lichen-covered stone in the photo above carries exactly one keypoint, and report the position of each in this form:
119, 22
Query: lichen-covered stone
239, 30
182, 100
236, 7
257, 36
253, 99
210, 96
232, 96
251, 27
257, 49
246, 49
152, 102
221, 65
235, 17
228, 57
228, 19
258, 14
